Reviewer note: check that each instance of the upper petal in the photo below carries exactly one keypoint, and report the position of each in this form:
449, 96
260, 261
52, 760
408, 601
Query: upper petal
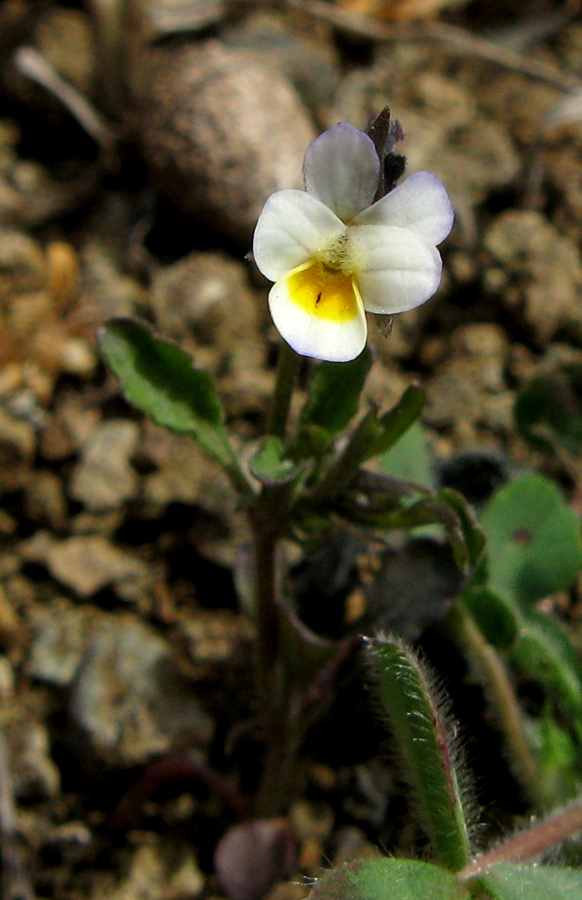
420, 203
342, 169
292, 227
397, 269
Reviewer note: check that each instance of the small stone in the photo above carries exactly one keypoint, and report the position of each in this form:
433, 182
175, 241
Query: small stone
130, 700
17, 446
469, 390
34, 773
59, 639
10, 626
69, 428
168, 871
6, 680
104, 478
311, 820
88, 563
214, 636
204, 301
45, 499
536, 272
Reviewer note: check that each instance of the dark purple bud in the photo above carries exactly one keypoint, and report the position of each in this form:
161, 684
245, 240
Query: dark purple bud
385, 133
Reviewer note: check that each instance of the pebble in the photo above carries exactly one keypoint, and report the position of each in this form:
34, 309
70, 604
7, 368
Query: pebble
157, 871
129, 700
469, 391
104, 478
205, 302
88, 563
303, 50
219, 130
34, 773
17, 447
536, 272
58, 642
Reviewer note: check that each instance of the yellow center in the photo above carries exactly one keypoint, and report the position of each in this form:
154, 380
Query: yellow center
325, 293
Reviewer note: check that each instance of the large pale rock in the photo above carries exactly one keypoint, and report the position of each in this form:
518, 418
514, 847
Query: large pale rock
219, 129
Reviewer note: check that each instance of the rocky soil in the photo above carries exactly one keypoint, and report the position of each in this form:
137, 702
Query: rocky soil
126, 743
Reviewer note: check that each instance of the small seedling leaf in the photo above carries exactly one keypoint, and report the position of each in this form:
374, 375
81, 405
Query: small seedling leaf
269, 464
533, 540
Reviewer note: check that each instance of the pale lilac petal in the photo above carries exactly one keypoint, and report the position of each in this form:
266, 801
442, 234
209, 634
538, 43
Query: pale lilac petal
292, 227
420, 203
397, 270
310, 335
342, 169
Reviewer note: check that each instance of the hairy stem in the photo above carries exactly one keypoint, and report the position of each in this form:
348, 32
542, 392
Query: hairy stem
528, 844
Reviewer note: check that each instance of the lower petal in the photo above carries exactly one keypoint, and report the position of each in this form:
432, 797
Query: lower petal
319, 313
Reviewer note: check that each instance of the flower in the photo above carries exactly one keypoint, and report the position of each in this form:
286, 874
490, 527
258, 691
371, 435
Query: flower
334, 253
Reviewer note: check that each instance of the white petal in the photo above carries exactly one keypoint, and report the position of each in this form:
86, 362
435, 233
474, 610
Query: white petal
310, 335
420, 203
342, 169
397, 270
291, 228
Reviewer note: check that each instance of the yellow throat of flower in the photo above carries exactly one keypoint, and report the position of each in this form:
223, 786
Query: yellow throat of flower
325, 293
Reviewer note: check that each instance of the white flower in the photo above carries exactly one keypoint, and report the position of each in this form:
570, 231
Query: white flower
333, 253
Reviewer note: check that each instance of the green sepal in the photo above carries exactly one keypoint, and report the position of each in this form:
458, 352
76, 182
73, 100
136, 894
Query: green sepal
270, 465
520, 882
394, 423
160, 379
414, 710
388, 879
534, 547
334, 393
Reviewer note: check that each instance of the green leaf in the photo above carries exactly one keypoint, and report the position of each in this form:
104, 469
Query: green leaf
334, 393
409, 458
533, 540
388, 879
160, 379
398, 420
544, 652
414, 710
390, 503
549, 410
269, 464
495, 616
521, 882
559, 758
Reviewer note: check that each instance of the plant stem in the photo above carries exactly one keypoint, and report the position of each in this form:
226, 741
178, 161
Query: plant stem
528, 844
287, 367
502, 695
